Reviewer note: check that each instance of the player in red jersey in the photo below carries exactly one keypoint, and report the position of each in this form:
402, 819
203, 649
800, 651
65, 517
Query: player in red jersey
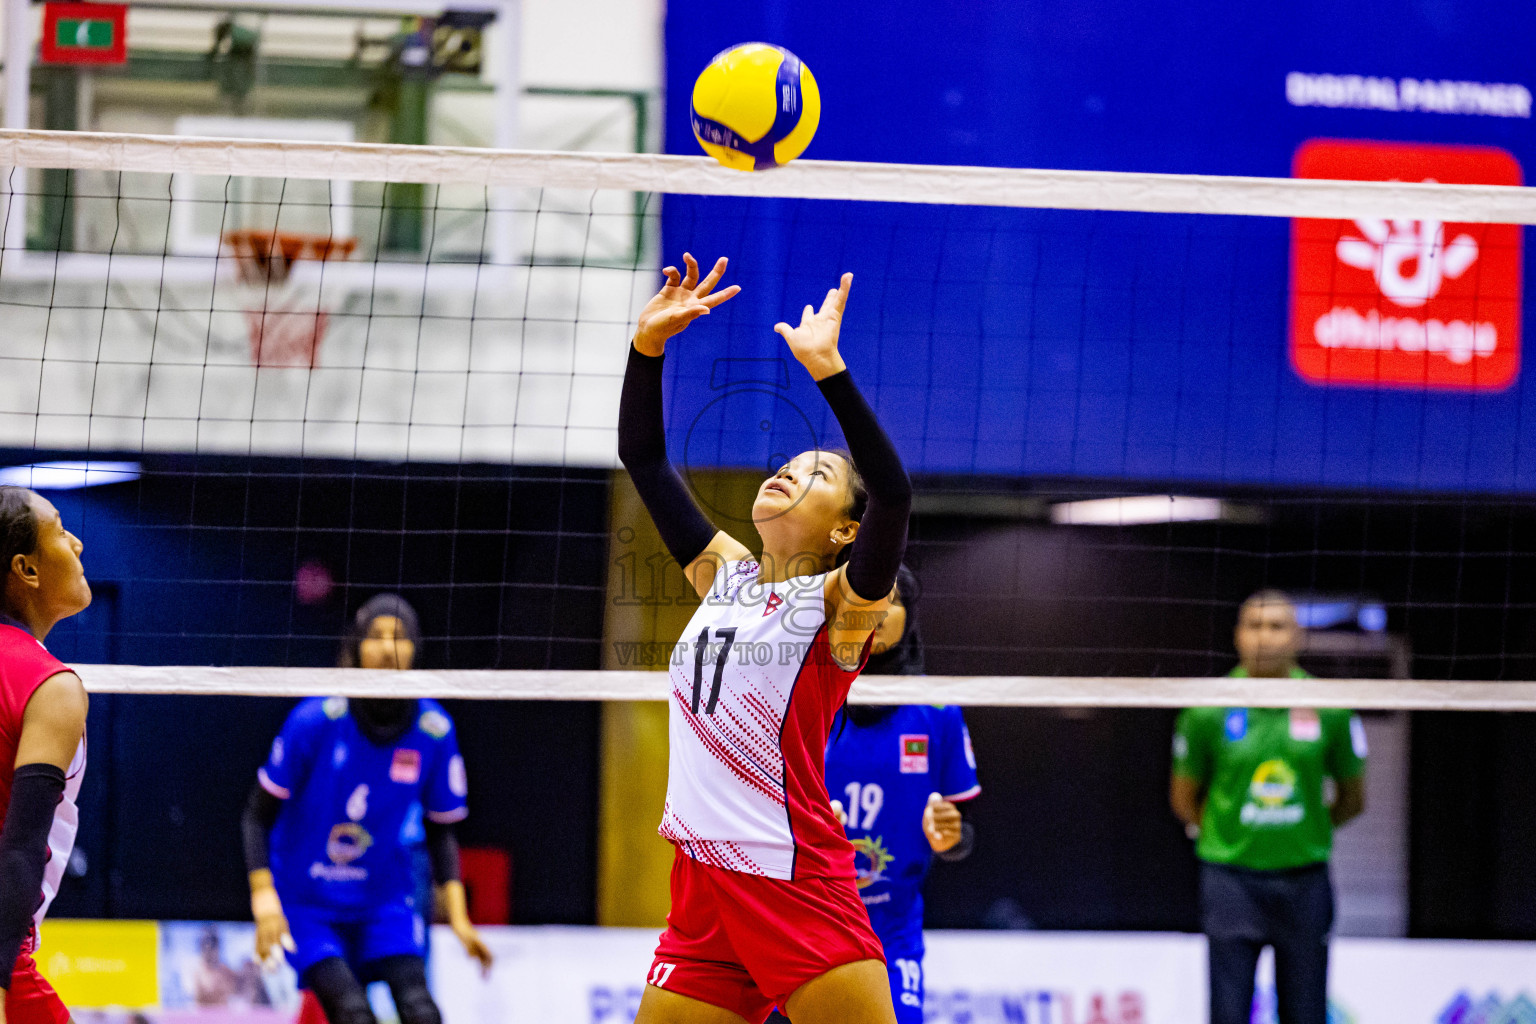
42, 740
764, 905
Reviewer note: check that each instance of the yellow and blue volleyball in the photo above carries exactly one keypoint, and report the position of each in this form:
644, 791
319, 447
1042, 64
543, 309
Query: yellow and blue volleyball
755, 106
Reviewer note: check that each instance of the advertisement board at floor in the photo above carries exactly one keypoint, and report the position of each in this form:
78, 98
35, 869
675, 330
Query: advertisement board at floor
199, 973
595, 976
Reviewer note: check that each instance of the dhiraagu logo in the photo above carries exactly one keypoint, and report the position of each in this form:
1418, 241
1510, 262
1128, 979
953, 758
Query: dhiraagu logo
1270, 796
870, 859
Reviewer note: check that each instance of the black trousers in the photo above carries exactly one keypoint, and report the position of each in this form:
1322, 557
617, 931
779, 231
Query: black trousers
1243, 911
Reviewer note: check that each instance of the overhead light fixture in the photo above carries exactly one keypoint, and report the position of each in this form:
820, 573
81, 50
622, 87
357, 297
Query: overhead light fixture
1139, 510
1367, 614
69, 476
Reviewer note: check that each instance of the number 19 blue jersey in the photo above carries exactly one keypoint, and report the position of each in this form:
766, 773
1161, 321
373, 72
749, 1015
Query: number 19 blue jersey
883, 774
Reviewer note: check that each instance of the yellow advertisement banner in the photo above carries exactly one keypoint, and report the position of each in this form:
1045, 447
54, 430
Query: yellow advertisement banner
98, 964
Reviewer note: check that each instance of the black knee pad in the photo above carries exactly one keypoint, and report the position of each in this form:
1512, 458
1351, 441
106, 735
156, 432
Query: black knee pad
416, 1006
407, 980
352, 1008
341, 995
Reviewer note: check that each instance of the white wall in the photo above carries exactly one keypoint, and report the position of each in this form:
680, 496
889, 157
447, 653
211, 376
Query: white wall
611, 43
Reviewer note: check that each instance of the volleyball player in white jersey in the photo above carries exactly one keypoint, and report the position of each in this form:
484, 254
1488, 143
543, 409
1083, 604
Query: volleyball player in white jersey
764, 907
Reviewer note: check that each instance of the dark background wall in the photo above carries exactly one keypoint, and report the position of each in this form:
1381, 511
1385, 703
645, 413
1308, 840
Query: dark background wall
196, 564
1075, 827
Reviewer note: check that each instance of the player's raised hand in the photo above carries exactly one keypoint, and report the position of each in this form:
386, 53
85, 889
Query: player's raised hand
941, 823
814, 342
681, 301
839, 813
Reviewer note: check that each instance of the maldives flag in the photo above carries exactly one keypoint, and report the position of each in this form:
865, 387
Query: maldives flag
85, 34
914, 753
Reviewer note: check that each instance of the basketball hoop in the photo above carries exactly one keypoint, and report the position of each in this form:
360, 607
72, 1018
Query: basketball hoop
285, 329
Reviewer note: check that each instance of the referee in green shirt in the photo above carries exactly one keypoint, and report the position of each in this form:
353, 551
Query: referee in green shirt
1248, 782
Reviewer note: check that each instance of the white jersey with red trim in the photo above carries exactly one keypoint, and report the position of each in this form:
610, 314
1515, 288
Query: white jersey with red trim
754, 689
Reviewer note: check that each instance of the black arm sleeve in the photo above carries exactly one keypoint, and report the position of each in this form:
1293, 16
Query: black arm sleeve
643, 450
256, 826
882, 539
35, 793
443, 851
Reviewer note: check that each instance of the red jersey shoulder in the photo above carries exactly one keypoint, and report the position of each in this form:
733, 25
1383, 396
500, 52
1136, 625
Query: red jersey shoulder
24, 665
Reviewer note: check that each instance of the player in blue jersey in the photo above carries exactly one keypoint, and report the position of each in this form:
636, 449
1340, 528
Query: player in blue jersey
897, 775
348, 792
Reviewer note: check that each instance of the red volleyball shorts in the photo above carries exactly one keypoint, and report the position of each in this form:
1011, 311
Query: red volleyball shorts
31, 1000
745, 943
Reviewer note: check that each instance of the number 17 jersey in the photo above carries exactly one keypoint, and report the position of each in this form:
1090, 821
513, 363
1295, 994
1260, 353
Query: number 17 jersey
754, 689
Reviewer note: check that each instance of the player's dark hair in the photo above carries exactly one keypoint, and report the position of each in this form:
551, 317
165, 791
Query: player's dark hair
858, 495
18, 528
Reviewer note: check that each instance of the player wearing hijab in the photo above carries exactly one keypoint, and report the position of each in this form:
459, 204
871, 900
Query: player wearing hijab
900, 772
764, 909
42, 741
330, 828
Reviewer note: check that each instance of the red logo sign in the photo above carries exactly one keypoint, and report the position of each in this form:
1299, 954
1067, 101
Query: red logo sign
1405, 303
774, 600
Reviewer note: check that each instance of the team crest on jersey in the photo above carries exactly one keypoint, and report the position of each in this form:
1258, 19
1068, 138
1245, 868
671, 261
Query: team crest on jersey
773, 602
434, 724
348, 841
406, 766
914, 753
870, 859
334, 707
743, 574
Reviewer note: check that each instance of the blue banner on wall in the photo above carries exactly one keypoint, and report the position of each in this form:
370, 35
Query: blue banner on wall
1126, 346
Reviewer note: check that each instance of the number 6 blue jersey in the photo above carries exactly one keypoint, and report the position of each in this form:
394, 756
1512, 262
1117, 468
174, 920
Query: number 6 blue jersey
353, 808
883, 774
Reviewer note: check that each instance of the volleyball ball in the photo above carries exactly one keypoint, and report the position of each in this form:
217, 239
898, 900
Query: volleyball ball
755, 106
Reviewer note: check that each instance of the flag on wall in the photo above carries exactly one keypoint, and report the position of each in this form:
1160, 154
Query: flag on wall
75, 33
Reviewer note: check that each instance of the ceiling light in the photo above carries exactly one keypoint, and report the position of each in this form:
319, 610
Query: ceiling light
1138, 510
68, 476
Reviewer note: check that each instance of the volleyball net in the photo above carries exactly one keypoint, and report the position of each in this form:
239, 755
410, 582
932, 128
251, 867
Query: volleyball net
265, 380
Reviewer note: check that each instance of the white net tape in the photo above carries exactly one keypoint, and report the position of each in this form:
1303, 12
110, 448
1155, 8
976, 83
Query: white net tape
971, 691
805, 179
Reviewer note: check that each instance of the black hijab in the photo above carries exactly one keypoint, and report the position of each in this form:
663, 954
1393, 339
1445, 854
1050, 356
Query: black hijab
903, 658
382, 719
